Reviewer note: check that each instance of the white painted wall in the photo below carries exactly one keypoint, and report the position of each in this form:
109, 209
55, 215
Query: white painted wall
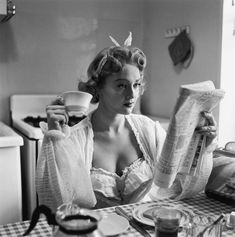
205, 21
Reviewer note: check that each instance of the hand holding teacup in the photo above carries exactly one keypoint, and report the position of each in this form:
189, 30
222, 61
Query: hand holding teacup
69, 103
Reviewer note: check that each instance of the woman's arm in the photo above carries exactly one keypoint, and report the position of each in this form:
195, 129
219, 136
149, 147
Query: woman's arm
62, 174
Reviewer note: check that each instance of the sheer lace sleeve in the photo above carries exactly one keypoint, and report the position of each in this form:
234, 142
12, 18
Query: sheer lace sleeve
63, 168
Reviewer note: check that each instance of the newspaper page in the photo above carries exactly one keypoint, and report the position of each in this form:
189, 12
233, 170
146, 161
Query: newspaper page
183, 148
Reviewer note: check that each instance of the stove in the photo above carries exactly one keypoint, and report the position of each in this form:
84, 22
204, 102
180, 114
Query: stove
22, 108
35, 121
27, 111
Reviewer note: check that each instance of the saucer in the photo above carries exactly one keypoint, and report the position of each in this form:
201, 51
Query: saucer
143, 213
113, 224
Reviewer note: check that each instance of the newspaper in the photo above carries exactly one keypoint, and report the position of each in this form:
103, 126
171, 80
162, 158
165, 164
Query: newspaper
183, 147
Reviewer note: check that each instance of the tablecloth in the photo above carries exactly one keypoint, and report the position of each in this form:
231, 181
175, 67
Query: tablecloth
200, 203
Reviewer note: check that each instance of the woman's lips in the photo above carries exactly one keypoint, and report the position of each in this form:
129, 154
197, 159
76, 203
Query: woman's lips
128, 104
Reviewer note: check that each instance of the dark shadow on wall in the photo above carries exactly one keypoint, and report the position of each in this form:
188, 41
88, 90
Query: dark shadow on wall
12, 53
8, 50
3, 42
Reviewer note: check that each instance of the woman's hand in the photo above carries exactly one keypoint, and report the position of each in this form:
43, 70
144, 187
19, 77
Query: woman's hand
210, 129
56, 114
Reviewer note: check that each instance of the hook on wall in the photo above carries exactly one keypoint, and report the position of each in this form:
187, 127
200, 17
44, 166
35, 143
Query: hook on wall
173, 32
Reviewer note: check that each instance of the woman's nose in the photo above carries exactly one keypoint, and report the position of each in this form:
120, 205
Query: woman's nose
130, 92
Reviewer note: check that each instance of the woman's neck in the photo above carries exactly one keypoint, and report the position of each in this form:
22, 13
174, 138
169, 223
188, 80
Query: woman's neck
107, 122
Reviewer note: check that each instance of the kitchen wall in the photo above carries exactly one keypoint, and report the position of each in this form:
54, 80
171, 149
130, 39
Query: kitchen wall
204, 20
48, 44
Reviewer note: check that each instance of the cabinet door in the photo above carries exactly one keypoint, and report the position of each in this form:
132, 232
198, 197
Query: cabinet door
3, 8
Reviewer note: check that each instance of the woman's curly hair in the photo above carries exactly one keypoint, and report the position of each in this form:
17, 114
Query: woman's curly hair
110, 61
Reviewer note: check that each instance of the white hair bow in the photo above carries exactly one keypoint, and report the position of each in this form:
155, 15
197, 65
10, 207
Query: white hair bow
127, 42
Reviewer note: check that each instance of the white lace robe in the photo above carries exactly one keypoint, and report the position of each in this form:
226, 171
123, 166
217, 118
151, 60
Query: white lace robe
65, 161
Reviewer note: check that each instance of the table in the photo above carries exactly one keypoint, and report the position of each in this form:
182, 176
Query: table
200, 203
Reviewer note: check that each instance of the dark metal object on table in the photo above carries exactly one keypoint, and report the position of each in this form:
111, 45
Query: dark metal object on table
132, 222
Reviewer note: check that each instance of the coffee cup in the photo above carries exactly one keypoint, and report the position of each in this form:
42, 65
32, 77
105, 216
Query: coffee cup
77, 102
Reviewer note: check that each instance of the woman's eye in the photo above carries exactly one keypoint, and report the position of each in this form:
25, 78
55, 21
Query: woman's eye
121, 86
137, 85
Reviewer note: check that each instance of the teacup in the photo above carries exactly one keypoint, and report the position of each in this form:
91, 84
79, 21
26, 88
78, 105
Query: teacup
77, 102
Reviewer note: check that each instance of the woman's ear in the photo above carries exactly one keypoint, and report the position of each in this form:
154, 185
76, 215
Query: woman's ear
142, 87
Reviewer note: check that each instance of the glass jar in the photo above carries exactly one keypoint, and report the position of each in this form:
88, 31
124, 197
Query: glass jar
75, 221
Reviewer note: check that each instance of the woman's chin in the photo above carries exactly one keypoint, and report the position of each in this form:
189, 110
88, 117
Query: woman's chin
128, 110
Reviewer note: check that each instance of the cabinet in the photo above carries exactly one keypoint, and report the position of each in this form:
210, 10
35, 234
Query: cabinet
10, 175
3, 9
7, 10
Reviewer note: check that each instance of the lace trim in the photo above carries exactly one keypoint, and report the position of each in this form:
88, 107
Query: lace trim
104, 172
135, 164
137, 136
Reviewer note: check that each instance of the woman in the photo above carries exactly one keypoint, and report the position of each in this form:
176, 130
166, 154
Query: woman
108, 158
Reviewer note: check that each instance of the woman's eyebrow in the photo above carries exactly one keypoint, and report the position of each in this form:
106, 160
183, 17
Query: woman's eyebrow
124, 79
139, 79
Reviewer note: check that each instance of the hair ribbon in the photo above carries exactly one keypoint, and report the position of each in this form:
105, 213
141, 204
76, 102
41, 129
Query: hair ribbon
127, 42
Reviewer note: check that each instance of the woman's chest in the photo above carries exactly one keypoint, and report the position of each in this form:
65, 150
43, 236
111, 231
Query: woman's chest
116, 153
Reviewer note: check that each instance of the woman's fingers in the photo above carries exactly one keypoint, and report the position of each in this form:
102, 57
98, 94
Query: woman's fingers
56, 116
58, 101
210, 118
210, 129
207, 129
55, 107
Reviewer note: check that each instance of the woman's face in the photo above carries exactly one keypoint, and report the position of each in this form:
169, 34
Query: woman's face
121, 90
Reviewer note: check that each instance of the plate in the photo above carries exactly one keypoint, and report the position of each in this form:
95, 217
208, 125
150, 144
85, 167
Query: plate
143, 213
113, 224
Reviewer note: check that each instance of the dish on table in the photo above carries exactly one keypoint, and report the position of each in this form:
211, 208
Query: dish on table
143, 213
113, 224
